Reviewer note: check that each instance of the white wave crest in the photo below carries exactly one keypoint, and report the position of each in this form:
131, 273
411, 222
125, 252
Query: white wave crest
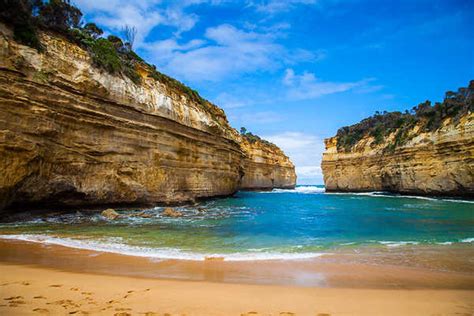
112, 245
398, 243
300, 190
388, 195
467, 240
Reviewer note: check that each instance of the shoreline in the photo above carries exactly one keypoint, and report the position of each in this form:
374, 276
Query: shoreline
447, 269
27, 290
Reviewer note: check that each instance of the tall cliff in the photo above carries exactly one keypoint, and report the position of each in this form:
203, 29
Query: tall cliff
266, 167
418, 157
72, 134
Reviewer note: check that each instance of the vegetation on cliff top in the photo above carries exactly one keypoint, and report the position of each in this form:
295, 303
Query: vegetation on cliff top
429, 117
112, 54
252, 138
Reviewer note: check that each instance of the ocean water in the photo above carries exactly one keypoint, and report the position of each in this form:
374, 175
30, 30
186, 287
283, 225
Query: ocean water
280, 224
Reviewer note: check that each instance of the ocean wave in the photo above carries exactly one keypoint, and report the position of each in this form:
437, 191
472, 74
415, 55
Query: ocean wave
389, 195
112, 245
300, 190
467, 240
398, 243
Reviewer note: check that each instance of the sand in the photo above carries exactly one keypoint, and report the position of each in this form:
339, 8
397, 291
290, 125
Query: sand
30, 290
55, 280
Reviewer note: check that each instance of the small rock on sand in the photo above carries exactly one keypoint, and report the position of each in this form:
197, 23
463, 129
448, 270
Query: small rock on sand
110, 214
214, 258
170, 212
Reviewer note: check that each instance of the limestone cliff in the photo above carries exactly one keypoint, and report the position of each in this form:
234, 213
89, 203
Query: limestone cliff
266, 167
72, 134
439, 162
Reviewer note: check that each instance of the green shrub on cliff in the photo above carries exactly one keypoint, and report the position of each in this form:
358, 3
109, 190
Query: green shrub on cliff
105, 55
111, 54
428, 117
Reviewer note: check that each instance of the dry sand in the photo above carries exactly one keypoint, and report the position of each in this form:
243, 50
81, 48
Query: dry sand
26, 290
55, 280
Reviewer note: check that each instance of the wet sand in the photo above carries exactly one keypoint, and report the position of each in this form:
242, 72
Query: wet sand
43, 279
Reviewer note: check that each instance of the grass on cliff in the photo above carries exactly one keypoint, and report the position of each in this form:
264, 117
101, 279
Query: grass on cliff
112, 54
429, 117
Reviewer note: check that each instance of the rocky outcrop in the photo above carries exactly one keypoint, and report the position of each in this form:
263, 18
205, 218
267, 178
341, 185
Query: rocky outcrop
72, 134
431, 163
266, 167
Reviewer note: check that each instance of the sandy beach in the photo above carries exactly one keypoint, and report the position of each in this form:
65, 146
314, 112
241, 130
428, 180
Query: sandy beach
42, 279
30, 290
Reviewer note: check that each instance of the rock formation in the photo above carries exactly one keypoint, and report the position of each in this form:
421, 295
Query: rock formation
266, 167
439, 162
72, 134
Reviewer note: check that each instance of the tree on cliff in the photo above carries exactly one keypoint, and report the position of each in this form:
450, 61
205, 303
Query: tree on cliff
425, 115
59, 14
93, 30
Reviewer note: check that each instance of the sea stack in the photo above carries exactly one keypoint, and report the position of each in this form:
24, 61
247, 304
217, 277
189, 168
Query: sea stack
428, 151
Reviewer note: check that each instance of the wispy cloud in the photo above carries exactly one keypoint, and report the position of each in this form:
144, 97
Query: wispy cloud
308, 86
305, 150
265, 117
142, 14
276, 6
228, 51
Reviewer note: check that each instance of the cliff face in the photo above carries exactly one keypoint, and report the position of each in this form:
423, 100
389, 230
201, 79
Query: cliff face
74, 135
266, 167
432, 163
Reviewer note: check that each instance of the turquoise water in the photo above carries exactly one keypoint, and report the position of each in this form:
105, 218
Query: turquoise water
280, 224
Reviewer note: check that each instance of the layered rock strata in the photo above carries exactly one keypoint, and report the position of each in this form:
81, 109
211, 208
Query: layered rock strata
431, 163
72, 134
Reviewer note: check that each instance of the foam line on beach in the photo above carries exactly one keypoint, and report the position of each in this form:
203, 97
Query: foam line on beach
156, 253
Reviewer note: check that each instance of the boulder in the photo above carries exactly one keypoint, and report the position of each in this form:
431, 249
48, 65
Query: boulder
143, 215
170, 212
110, 214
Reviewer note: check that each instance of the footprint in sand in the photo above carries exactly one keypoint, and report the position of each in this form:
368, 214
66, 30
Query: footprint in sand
122, 314
287, 314
74, 289
323, 314
55, 285
250, 314
39, 297
122, 309
25, 283
149, 313
17, 302
87, 293
78, 312
41, 310
13, 298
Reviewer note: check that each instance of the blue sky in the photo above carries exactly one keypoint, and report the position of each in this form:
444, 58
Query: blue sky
295, 71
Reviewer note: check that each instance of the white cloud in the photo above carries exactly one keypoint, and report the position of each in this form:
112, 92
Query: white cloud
142, 14
230, 51
307, 86
305, 151
261, 117
276, 6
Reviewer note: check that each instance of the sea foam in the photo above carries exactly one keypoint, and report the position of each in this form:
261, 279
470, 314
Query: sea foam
300, 189
111, 245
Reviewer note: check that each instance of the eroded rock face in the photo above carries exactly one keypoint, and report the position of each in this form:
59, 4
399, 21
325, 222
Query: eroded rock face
266, 167
74, 135
437, 163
